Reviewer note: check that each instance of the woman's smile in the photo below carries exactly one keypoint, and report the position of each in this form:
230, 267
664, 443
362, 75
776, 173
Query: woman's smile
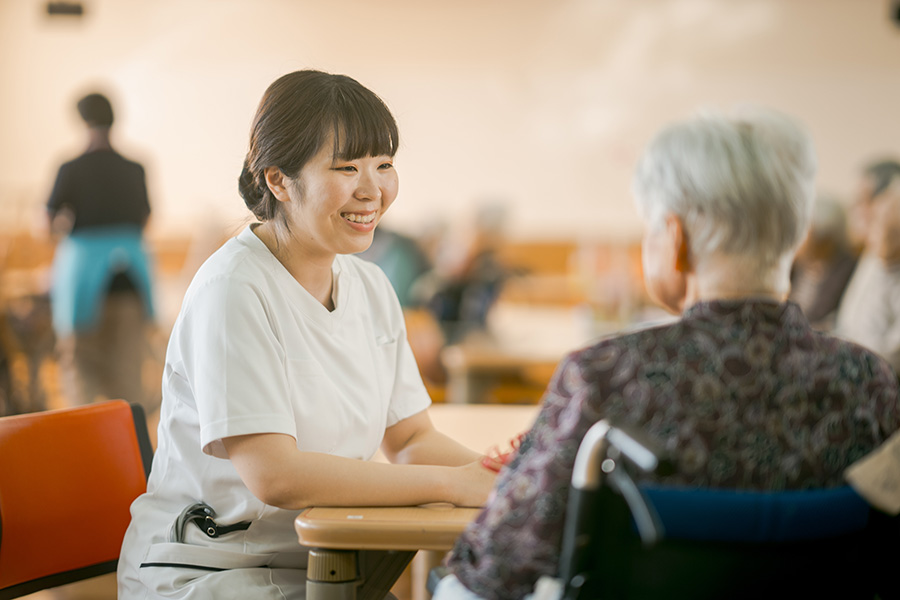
361, 221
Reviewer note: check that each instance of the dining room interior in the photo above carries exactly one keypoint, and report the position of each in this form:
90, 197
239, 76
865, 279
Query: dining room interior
520, 123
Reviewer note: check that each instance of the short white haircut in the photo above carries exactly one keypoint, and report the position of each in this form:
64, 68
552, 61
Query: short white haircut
742, 184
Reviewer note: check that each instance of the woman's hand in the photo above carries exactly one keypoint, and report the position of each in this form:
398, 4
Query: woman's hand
475, 483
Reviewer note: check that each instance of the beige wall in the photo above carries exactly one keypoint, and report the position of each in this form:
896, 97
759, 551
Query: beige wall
542, 105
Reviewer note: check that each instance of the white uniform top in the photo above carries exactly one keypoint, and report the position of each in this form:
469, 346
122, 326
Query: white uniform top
869, 313
253, 352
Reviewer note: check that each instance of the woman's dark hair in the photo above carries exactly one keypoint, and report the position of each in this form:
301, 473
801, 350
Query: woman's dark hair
96, 110
295, 118
882, 173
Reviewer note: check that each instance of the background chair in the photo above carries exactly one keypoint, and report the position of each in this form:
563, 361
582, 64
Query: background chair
67, 480
622, 540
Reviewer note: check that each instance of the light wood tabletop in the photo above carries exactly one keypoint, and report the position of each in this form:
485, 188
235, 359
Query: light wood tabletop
431, 527
473, 368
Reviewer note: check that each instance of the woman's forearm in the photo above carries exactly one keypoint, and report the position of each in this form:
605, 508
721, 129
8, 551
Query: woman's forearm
326, 480
435, 448
414, 440
280, 475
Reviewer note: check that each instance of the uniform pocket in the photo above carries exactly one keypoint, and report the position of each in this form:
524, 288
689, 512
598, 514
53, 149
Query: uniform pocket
385, 364
384, 339
306, 378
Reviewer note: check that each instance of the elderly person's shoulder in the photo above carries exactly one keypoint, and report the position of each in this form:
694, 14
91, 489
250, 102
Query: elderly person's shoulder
706, 322
852, 360
757, 334
618, 353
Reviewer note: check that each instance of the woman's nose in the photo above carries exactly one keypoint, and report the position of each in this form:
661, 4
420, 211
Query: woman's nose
368, 187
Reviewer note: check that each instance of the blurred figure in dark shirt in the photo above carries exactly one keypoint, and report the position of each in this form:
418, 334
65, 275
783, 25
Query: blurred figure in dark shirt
101, 289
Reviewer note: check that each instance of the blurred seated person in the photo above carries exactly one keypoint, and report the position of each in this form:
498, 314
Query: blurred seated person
26, 334
824, 264
467, 276
10, 402
401, 259
741, 390
404, 261
869, 313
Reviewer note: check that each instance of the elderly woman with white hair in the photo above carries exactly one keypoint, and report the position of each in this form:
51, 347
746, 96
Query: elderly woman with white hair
742, 391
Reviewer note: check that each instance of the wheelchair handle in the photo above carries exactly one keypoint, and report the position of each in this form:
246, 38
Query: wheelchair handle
587, 471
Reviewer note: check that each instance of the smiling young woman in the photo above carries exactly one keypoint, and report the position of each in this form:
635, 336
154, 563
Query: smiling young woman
289, 365
331, 207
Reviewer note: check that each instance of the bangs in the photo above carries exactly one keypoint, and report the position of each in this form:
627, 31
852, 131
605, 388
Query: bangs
362, 125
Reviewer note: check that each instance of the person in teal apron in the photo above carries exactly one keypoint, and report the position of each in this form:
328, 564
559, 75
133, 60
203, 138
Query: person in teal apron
101, 293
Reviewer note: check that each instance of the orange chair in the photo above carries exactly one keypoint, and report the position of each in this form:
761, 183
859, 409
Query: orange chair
67, 480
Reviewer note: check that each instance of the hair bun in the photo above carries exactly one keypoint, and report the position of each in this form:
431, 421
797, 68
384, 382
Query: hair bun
251, 193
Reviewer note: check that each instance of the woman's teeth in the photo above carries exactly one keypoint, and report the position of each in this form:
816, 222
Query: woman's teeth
355, 218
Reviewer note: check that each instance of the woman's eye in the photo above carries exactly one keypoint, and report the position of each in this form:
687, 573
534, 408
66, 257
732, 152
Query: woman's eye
346, 169
386, 166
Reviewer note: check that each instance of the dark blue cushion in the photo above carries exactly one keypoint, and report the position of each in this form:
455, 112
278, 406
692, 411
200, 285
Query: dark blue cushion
757, 517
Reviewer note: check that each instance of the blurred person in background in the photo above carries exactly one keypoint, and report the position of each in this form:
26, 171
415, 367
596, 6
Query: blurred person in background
740, 390
824, 264
467, 276
405, 261
402, 260
869, 313
100, 293
10, 403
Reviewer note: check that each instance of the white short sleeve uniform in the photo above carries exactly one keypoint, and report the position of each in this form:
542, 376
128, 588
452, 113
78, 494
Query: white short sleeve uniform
253, 352
869, 313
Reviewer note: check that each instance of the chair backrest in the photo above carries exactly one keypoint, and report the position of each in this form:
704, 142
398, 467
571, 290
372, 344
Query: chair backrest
67, 481
623, 540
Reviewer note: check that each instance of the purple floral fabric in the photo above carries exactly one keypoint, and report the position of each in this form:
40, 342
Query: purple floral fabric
743, 393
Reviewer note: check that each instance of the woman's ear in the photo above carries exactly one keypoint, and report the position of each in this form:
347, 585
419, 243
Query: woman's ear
680, 247
277, 183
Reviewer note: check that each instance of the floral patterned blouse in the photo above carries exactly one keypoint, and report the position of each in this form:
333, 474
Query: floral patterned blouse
744, 393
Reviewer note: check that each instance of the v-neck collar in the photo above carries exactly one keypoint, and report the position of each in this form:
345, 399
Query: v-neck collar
305, 301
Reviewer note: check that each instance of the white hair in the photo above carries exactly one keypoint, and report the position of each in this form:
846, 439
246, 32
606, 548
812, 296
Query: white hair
741, 184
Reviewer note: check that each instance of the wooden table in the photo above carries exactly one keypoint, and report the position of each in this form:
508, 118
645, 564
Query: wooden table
345, 542
385, 540
474, 368
428, 527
